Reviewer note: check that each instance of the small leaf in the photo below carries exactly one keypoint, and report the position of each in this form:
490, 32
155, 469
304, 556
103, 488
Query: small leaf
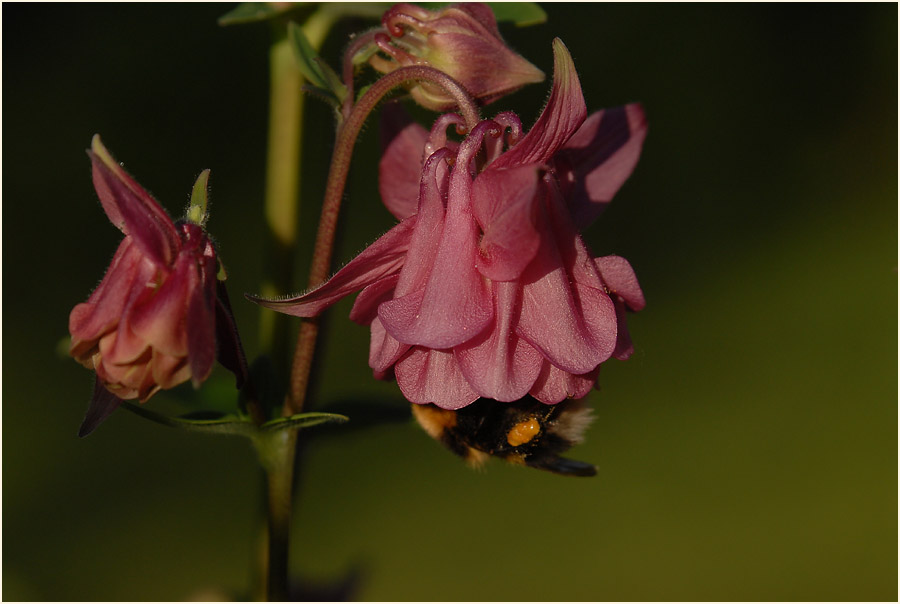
313, 67
196, 211
522, 14
250, 12
222, 424
303, 420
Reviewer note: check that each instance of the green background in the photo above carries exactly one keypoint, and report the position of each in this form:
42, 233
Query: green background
747, 451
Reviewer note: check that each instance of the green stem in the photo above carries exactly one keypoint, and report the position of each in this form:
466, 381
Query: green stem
276, 453
334, 190
282, 203
282, 198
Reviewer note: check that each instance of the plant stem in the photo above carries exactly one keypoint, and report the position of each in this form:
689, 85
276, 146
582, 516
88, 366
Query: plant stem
282, 199
334, 191
276, 453
282, 202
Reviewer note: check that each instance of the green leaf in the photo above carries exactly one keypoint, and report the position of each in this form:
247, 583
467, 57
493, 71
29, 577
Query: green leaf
522, 14
196, 211
303, 420
215, 422
250, 12
220, 424
314, 69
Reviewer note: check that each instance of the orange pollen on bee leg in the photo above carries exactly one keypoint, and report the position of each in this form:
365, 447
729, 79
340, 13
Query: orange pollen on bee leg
523, 432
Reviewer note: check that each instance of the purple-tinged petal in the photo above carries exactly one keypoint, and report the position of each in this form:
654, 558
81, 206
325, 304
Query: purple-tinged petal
381, 259
201, 322
498, 364
554, 385
229, 350
561, 118
433, 376
103, 403
599, 158
402, 141
131, 209
504, 205
619, 278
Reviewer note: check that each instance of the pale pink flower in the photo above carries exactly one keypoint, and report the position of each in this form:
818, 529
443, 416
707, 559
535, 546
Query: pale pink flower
463, 41
151, 323
485, 288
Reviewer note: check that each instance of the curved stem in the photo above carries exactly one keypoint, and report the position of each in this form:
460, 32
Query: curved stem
334, 190
358, 43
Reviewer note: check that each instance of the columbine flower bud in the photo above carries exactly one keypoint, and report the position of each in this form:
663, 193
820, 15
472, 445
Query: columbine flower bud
462, 41
151, 323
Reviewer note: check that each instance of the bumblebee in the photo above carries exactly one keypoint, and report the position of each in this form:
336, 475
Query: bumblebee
526, 432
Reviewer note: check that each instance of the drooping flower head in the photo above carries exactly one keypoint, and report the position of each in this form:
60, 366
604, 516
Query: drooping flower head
485, 288
151, 323
463, 41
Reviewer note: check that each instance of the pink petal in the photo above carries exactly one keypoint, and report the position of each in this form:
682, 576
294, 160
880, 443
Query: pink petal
619, 277
401, 160
572, 324
554, 385
426, 236
384, 349
455, 305
131, 209
498, 364
365, 307
433, 376
381, 259
624, 346
103, 309
159, 318
564, 113
599, 158
504, 205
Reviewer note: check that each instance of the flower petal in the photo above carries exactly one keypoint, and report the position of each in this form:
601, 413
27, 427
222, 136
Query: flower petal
571, 323
619, 277
504, 205
399, 170
554, 385
433, 376
499, 364
103, 403
564, 113
159, 317
131, 209
384, 349
90, 320
382, 258
599, 158
455, 305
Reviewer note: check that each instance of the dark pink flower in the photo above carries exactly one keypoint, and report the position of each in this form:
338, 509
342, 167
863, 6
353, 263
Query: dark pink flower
463, 41
151, 323
485, 288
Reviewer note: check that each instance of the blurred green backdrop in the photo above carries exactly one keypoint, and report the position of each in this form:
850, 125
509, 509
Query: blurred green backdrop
747, 451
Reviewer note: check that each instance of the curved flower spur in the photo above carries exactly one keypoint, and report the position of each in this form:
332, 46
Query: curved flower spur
160, 316
485, 289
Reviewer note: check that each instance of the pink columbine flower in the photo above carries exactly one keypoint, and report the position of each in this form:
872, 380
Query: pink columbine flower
151, 323
485, 288
463, 41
